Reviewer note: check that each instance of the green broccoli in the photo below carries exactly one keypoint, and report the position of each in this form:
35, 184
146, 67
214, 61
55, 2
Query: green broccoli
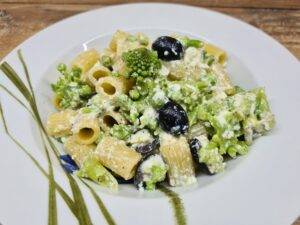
121, 131
141, 62
71, 91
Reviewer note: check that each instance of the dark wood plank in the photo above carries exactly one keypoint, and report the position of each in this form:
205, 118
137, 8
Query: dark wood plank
288, 4
16, 25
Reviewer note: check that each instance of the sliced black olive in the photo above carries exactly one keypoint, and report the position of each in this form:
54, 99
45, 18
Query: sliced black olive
148, 149
168, 48
203, 167
173, 119
195, 145
123, 181
241, 138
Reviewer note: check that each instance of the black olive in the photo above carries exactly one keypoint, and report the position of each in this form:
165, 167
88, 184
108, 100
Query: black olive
148, 149
195, 145
138, 178
168, 48
203, 167
241, 138
173, 119
123, 181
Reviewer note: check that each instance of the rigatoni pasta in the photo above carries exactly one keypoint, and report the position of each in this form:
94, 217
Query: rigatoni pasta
177, 154
78, 152
86, 60
97, 72
109, 119
218, 53
86, 129
59, 124
110, 87
118, 157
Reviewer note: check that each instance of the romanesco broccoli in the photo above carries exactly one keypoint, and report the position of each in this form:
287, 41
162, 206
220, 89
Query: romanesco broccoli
141, 62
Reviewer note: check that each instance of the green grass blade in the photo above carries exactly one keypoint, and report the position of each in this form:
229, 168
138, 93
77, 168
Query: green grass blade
82, 214
177, 205
15, 79
80, 203
20, 56
64, 195
109, 219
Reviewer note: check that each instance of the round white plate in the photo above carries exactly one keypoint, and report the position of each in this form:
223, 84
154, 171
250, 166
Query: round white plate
262, 187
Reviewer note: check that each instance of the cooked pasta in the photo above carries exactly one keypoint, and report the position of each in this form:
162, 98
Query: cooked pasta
109, 119
86, 60
78, 152
218, 53
59, 124
96, 72
86, 129
56, 102
115, 155
110, 87
153, 111
176, 153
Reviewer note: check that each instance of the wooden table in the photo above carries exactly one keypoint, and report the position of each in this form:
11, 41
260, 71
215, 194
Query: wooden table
19, 19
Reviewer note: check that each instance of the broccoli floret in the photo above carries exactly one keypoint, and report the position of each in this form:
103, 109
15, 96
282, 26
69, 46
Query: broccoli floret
71, 91
121, 131
141, 62
93, 170
151, 171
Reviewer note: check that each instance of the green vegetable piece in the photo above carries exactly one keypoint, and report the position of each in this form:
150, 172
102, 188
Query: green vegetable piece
70, 89
158, 174
134, 94
187, 42
106, 61
121, 131
92, 169
141, 62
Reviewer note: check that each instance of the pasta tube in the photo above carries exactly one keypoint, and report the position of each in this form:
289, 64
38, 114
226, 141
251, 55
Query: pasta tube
223, 81
86, 60
218, 53
109, 119
86, 129
176, 153
97, 72
118, 157
109, 87
59, 124
77, 151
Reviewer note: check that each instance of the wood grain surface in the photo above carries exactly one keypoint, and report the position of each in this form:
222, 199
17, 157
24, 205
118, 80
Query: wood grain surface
21, 19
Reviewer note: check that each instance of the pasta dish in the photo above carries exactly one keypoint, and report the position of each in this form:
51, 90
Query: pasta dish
145, 112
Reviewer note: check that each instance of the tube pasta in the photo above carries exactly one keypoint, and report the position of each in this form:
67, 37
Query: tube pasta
59, 124
117, 37
77, 151
177, 155
56, 102
86, 60
109, 119
109, 87
218, 53
121, 43
86, 129
223, 81
97, 72
115, 155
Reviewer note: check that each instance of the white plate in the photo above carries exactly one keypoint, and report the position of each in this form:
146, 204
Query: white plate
260, 188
